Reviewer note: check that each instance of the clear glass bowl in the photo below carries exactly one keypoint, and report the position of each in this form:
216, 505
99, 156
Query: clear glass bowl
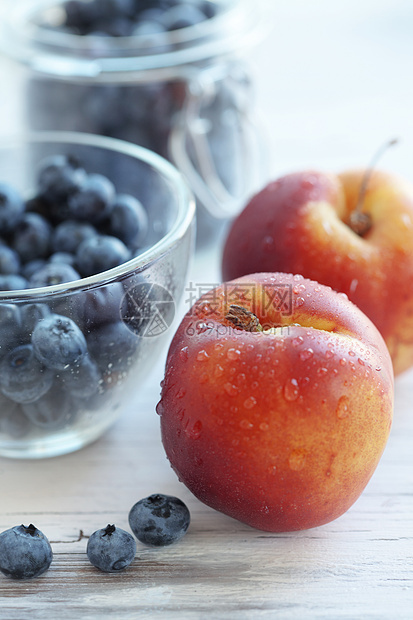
124, 313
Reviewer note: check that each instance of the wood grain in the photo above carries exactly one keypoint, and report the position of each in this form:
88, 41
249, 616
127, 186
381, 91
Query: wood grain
361, 565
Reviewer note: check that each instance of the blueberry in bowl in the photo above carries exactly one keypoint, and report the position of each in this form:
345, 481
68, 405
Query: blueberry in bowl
92, 264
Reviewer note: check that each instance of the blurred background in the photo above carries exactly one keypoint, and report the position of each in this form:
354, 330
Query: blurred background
332, 83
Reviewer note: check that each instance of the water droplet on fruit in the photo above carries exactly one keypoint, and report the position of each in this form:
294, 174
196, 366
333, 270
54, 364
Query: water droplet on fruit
342, 409
300, 301
218, 346
246, 425
352, 353
361, 362
233, 354
183, 354
296, 460
378, 368
322, 371
296, 342
267, 243
202, 327
291, 390
329, 354
306, 355
250, 402
195, 431
219, 371
180, 393
202, 356
231, 389
297, 277
343, 361
264, 426
160, 408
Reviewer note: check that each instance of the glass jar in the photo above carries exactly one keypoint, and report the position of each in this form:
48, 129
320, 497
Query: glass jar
186, 96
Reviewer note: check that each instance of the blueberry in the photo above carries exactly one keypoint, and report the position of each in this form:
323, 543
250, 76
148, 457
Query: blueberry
111, 549
159, 520
52, 411
58, 342
25, 552
63, 257
100, 253
22, 377
59, 177
13, 422
182, 16
9, 261
12, 282
68, 235
32, 266
128, 220
101, 305
10, 326
30, 315
52, 274
11, 207
83, 379
113, 346
31, 237
93, 202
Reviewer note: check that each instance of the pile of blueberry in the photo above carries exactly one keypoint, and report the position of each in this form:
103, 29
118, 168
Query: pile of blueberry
59, 356
157, 520
134, 17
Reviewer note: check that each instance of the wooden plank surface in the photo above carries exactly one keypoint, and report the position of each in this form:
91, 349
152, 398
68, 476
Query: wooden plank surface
333, 83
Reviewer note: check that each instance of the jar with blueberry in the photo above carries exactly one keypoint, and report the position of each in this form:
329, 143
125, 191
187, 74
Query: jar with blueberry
169, 75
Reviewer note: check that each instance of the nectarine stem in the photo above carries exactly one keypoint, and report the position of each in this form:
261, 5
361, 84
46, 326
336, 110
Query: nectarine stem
243, 318
359, 221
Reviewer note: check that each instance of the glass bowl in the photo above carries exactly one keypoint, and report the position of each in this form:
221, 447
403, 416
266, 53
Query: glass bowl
118, 320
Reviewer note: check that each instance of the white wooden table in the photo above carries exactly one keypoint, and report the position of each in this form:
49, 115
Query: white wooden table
333, 83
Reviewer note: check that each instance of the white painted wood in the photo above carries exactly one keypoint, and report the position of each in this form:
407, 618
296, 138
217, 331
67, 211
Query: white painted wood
333, 84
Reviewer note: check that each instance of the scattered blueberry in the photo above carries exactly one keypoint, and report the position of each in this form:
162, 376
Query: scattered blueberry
111, 549
100, 253
22, 377
11, 207
25, 552
159, 520
58, 342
